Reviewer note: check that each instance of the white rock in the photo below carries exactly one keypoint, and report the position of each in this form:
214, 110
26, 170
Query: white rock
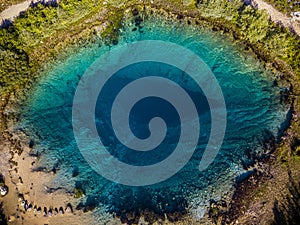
3, 190
68, 210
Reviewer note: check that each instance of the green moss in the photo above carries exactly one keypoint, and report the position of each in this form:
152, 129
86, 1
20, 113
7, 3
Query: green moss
271, 42
78, 193
111, 32
26, 45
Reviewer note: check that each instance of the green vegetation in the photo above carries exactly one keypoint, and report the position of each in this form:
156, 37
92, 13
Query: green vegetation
285, 6
38, 35
271, 42
78, 193
111, 32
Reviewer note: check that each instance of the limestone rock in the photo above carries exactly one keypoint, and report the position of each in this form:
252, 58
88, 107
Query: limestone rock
3, 190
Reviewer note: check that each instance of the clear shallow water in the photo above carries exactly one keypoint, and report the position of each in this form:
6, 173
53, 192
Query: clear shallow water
254, 115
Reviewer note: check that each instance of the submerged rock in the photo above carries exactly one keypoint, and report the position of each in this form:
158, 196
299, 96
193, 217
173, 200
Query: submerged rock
31, 143
135, 12
245, 175
80, 206
90, 204
75, 171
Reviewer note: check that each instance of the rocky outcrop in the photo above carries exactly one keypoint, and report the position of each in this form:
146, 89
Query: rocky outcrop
3, 190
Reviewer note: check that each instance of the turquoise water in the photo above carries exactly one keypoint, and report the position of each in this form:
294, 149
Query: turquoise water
254, 116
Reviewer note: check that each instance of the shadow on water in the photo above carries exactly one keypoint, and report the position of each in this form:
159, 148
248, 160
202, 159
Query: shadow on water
132, 203
129, 203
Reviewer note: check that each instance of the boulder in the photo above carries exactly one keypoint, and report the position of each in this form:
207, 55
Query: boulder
3, 190
69, 208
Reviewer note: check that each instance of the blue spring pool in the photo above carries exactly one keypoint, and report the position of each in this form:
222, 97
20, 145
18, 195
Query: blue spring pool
255, 115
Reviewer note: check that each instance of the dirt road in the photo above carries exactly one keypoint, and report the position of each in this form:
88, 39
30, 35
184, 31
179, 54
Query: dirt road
277, 16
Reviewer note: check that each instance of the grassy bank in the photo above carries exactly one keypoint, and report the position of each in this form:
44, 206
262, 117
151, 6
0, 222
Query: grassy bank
39, 34
32, 31
273, 43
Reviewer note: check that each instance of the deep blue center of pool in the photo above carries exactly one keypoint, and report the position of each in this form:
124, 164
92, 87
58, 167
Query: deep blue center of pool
144, 111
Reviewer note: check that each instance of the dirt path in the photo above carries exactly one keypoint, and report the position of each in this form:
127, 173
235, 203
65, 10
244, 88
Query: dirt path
277, 16
14, 10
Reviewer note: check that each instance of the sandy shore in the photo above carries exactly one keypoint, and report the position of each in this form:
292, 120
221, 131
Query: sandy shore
29, 200
29, 189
